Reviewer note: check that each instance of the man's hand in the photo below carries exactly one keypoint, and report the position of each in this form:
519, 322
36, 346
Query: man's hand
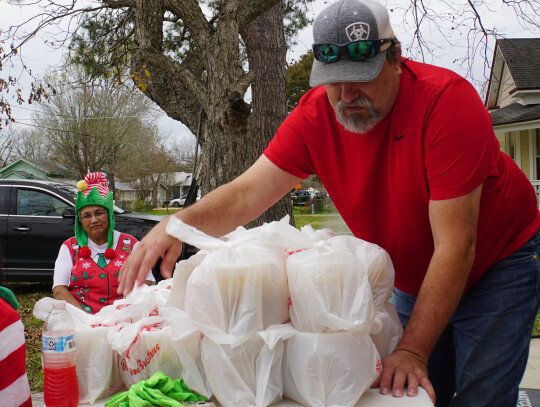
157, 243
403, 368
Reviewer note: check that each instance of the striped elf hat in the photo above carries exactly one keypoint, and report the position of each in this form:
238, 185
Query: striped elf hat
94, 190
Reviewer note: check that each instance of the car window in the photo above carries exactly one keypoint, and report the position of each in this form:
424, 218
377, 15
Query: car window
3, 207
39, 203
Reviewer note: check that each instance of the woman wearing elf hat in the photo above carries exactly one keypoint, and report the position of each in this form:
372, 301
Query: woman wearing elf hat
88, 264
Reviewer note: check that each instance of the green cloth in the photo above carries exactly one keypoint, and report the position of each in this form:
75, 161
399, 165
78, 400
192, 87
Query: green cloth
158, 390
101, 260
9, 297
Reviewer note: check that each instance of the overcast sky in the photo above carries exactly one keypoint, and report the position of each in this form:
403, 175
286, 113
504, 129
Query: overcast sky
447, 50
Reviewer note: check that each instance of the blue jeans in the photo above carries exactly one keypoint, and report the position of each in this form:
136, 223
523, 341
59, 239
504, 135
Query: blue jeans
481, 356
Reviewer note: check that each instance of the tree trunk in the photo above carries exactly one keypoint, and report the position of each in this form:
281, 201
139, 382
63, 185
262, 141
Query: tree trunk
266, 49
232, 137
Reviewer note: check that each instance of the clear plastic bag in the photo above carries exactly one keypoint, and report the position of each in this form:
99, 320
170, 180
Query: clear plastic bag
329, 291
329, 370
240, 286
249, 374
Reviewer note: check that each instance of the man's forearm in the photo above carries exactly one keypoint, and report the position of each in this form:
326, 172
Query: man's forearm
437, 301
219, 212
240, 201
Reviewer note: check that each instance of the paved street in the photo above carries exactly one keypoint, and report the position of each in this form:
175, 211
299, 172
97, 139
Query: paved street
530, 384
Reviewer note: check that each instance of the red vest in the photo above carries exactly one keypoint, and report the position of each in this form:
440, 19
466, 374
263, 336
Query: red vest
95, 287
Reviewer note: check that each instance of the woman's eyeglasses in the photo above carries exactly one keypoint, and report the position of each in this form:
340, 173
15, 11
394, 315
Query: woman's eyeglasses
355, 51
86, 217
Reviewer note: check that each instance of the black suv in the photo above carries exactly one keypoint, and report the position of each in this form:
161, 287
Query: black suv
36, 217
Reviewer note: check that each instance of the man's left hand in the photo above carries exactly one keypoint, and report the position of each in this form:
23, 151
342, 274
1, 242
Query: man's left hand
404, 369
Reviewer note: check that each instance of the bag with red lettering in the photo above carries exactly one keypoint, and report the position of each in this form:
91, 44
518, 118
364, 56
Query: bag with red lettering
168, 343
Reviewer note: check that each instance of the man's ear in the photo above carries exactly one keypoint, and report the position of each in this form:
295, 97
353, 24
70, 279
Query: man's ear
397, 64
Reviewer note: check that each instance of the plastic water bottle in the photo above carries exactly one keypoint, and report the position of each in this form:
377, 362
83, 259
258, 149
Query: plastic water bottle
60, 386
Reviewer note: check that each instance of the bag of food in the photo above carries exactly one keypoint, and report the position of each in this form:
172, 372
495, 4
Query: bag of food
249, 374
329, 291
97, 370
158, 343
331, 369
182, 271
377, 264
240, 286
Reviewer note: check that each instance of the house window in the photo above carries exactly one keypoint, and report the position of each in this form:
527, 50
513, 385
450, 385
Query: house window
511, 145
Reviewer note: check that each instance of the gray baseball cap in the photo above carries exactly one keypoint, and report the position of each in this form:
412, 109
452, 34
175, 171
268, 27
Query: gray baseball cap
347, 21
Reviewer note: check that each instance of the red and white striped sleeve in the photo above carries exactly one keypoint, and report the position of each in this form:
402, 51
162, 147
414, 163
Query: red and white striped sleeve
14, 387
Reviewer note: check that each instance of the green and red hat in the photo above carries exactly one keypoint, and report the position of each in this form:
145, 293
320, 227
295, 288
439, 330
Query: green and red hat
94, 190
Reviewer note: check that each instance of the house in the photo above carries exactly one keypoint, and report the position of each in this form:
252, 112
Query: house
178, 183
24, 168
124, 191
513, 100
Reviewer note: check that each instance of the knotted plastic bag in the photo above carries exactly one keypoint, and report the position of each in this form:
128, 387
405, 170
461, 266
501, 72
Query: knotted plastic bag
249, 374
329, 369
380, 272
240, 287
329, 291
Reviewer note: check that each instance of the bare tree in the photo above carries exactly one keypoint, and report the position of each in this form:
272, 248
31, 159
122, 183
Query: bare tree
96, 128
190, 57
466, 26
8, 144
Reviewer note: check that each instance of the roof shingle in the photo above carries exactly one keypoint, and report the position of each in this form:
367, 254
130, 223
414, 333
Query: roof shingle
515, 113
522, 55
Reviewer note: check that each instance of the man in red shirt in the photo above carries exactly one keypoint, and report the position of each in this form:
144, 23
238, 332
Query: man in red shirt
408, 156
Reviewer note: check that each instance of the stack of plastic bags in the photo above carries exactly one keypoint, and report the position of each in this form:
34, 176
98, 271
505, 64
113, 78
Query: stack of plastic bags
130, 340
254, 316
339, 304
237, 296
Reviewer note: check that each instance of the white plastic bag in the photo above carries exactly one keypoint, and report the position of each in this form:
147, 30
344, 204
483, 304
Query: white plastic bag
159, 343
181, 274
97, 365
240, 286
249, 374
391, 332
329, 291
97, 370
376, 263
329, 370
380, 272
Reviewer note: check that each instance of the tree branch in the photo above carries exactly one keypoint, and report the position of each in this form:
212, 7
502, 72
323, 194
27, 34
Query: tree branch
251, 9
191, 14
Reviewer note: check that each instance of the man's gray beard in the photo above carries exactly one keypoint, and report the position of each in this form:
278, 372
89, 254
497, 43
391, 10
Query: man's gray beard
356, 122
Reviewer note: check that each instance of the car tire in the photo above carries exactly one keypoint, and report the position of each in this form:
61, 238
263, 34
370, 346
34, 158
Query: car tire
176, 205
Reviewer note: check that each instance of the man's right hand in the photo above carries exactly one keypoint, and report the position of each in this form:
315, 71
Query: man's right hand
157, 243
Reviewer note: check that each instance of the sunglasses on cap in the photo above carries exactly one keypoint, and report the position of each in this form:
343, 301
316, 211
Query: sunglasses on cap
355, 51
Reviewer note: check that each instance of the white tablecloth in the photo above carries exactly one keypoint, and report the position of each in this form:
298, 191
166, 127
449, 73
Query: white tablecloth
371, 398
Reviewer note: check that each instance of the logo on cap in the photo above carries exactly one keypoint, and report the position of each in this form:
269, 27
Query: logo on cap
357, 31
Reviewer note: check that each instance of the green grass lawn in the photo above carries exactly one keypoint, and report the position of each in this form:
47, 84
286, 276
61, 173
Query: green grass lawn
327, 217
